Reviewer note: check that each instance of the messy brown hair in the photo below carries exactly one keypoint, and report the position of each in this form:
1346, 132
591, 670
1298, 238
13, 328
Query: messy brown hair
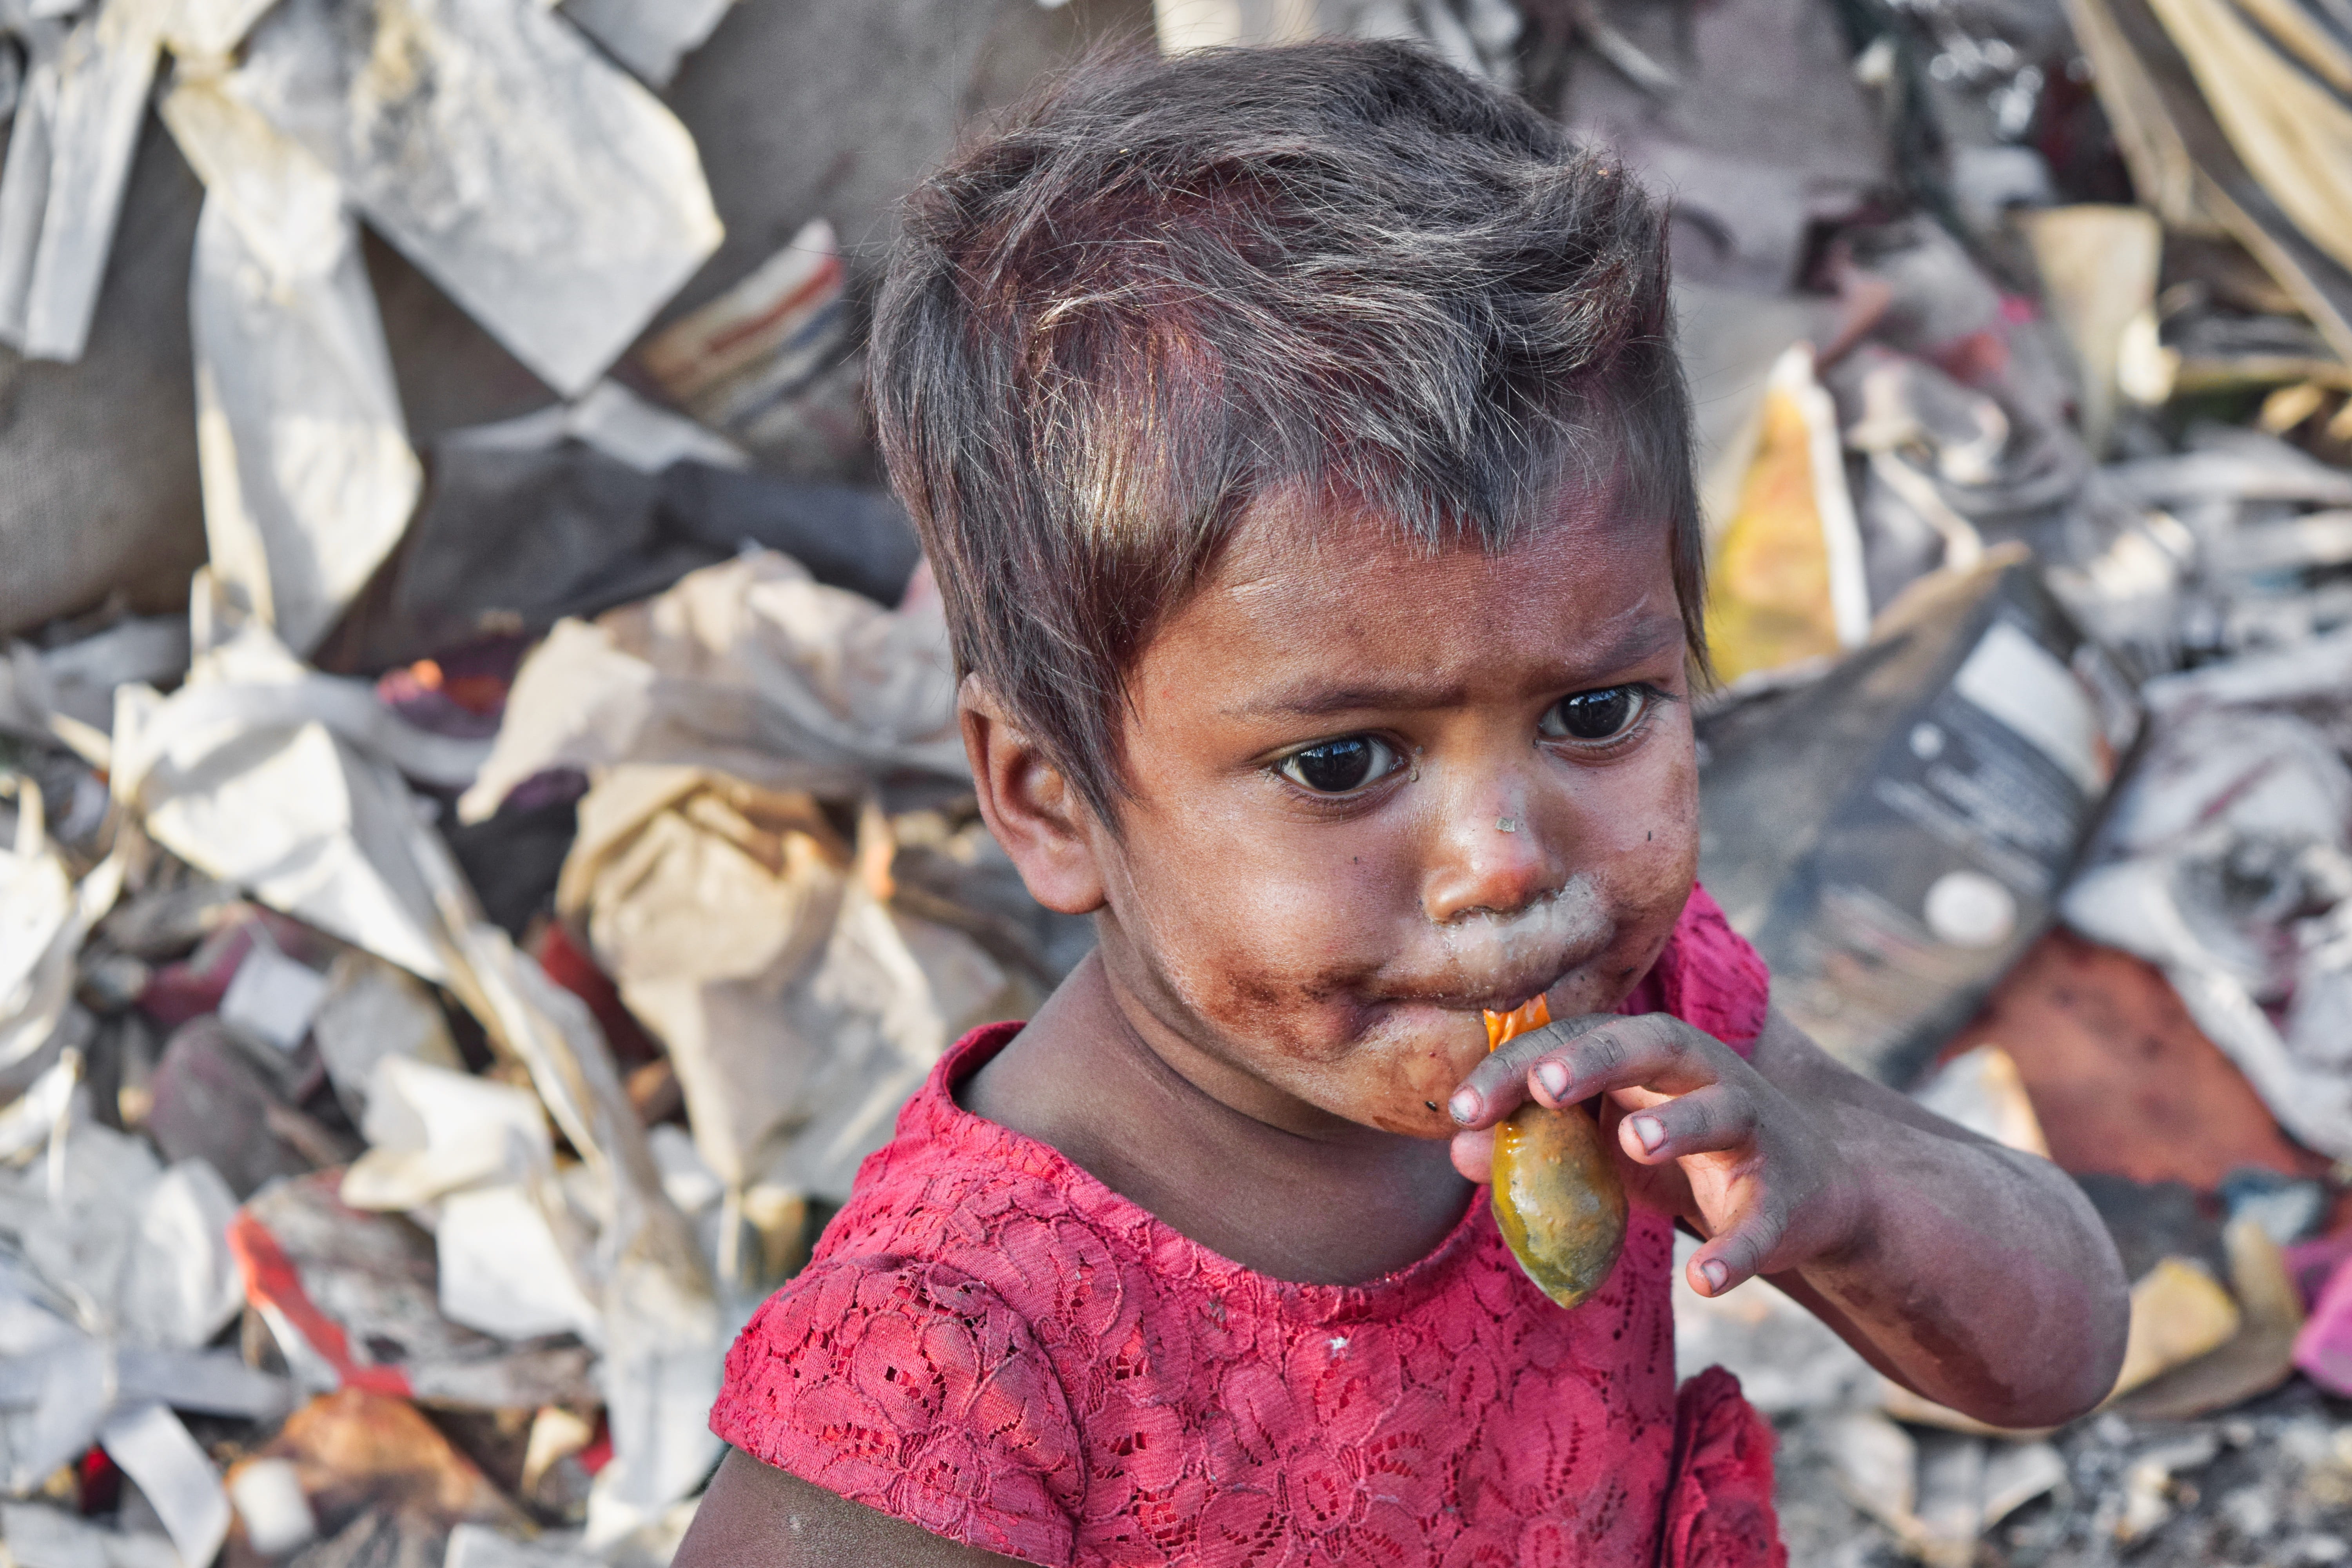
1167, 288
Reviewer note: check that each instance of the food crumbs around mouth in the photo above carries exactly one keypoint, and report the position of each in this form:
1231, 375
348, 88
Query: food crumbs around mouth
1557, 1197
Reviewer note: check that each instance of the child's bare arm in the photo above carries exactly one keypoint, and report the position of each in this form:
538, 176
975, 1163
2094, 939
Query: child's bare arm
756, 1516
1976, 1275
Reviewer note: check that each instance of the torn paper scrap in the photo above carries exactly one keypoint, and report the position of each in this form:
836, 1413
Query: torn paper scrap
175, 1475
553, 197
210, 1383
307, 473
44, 915
83, 107
613, 420
504, 1272
272, 998
374, 1010
267, 1495
83, 675
180, 1285
432, 1130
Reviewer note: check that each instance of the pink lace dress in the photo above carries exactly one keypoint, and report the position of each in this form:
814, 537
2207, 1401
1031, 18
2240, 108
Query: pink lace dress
992, 1344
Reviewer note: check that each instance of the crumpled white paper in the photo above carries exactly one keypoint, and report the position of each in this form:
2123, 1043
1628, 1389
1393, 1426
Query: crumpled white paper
432, 1130
750, 669
288, 782
798, 1009
126, 1273
265, 774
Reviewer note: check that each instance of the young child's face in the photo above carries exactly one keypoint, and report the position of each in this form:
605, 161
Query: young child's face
1377, 791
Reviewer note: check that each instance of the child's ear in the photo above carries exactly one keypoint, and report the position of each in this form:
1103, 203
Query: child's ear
1042, 822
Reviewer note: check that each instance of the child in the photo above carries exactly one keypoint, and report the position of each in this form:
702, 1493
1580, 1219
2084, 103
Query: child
1298, 438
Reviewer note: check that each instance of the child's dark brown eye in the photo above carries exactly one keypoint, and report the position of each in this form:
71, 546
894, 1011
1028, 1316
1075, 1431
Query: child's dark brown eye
1335, 767
1600, 715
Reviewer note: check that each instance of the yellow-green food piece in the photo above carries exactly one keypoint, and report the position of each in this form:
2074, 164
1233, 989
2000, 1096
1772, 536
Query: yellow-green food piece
1558, 1200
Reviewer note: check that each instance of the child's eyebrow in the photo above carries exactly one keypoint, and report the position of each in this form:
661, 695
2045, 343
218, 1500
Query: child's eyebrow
1640, 640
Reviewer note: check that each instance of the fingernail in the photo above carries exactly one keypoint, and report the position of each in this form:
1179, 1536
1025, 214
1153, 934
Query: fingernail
1554, 1079
1647, 1130
1463, 1105
1715, 1274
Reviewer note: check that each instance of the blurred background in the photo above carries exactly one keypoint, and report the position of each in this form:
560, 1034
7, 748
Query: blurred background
484, 849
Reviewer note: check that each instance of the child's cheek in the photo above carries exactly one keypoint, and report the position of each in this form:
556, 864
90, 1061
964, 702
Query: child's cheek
1317, 1040
1403, 1085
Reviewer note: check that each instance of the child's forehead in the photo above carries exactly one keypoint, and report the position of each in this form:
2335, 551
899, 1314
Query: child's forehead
1301, 597
1290, 537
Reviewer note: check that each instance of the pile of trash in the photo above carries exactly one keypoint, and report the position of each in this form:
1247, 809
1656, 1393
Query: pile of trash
449, 974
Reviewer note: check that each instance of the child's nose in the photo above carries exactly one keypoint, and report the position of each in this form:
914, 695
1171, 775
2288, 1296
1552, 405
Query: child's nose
1488, 855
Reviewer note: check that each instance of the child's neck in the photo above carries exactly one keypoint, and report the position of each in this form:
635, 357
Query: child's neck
1159, 1124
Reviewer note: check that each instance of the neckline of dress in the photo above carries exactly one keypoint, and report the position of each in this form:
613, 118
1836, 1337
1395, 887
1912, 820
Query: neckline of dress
1167, 1251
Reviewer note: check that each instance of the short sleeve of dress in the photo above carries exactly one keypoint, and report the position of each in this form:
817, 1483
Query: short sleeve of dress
910, 1388
1709, 977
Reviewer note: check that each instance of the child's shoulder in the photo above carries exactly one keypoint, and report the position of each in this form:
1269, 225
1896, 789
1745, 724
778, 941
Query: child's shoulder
924, 1319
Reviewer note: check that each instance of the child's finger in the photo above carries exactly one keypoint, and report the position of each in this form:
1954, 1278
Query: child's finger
1700, 1122
1654, 1051
1737, 1253
1473, 1155
1498, 1084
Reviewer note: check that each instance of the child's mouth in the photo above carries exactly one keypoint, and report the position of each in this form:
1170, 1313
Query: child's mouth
1499, 962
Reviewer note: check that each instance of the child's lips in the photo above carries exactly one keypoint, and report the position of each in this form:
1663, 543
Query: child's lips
1501, 997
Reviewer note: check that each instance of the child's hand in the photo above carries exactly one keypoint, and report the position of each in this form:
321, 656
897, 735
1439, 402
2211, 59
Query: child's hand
1706, 1136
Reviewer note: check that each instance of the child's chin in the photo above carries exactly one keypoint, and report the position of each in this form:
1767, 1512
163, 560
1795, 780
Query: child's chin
1413, 1118
1416, 1106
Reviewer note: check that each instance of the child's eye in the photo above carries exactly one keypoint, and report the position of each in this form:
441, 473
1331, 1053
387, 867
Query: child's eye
1335, 767
1600, 715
